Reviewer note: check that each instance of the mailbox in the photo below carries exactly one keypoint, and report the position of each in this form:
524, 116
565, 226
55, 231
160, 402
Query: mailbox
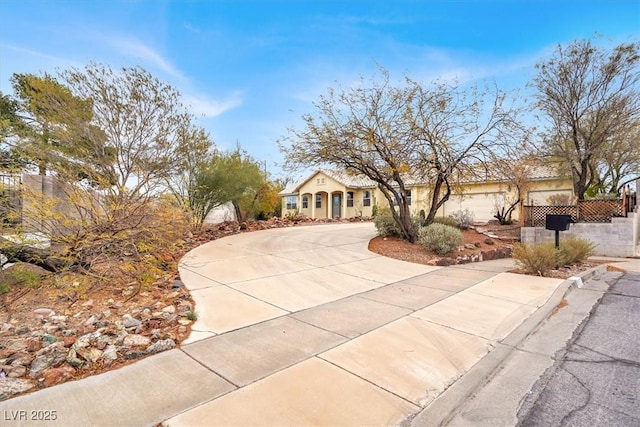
558, 222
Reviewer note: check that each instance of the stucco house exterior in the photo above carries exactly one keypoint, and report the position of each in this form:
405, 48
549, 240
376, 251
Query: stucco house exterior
331, 194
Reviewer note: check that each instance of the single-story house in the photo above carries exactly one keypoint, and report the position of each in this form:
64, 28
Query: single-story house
331, 194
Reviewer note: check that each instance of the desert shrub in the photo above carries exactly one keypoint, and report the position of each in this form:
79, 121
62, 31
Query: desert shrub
574, 250
440, 238
385, 224
446, 220
536, 259
291, 215
464, 218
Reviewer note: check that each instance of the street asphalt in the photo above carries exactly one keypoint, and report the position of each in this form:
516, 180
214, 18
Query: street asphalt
596, 380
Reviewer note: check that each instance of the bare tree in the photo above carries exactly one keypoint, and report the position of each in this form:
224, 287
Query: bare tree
141, 118
395, 134
589, 96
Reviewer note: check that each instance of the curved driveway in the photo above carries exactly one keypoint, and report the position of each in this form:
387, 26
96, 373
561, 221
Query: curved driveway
310, 328
248, 278
304, 326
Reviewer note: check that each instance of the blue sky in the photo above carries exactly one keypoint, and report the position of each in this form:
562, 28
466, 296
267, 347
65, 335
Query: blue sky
250, 69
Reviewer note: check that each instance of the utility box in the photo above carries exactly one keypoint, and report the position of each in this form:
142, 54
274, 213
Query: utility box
557, 222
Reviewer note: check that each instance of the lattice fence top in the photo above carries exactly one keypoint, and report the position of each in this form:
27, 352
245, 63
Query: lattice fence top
584, 211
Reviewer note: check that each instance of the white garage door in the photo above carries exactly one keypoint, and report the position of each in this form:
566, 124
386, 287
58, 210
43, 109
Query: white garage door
483, 205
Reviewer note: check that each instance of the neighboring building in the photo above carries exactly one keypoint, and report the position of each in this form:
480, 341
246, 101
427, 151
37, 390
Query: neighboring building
331, 194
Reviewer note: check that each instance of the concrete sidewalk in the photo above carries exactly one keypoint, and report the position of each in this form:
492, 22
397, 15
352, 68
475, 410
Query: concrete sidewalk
305, 326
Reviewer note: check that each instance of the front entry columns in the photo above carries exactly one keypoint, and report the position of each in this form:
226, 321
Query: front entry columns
343, 214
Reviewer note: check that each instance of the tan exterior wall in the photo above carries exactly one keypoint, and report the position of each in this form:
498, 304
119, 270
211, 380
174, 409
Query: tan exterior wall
321, 185
320, 192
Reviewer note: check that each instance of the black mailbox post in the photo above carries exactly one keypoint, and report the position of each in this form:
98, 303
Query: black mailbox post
557, 223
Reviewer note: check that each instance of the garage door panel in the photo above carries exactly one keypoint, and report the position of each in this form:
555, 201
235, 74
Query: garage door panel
483, 205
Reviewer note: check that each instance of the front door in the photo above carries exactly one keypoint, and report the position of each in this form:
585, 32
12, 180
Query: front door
336, 205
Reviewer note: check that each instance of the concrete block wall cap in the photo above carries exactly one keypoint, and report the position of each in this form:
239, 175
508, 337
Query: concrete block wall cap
577, 280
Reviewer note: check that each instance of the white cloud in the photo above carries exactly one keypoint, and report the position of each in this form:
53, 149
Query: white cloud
139, 50
205, 107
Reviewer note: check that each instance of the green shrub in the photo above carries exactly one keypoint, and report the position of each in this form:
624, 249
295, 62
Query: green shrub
574, 250
446, 220
440, 238
536, 259
385, 224
464, 218
291, 215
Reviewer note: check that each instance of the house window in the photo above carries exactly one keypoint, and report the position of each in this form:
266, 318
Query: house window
305, 202
408, 195
366, 198
349, 199
318, 201
292, 202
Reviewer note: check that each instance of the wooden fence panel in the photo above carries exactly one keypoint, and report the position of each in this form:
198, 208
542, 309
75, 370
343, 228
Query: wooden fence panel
584, 211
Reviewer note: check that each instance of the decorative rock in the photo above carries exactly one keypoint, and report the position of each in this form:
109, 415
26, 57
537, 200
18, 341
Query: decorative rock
159, 346
444, 261
6, 327
184, 308
182, 330
106, 314
68, 341
22, 330
91, 320
489, 241
58, 319
51, 329
172, 295
16, 371
49, 339
169, 309
33, 345
68, 332
88, 303
110, 353
470, 246
38, 365
11, 386
130, 322
82, 342
184, 322
21, 359
57, 375
43, 311
169, 317
90, 354
135, 340
133, 354
72, 358
17, 345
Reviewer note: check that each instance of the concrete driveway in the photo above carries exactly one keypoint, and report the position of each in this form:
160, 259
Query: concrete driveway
305, 326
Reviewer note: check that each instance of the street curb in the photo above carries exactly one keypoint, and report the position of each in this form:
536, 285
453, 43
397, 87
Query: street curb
443, 408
